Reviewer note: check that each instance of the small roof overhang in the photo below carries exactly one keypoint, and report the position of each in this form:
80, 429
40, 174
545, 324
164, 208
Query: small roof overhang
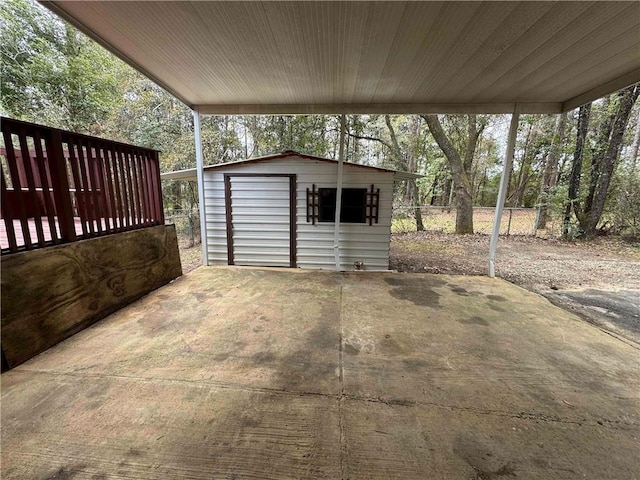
190, 174
308, 57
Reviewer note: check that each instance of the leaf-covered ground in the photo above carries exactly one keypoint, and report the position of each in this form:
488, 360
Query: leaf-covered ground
534, 263
190, 257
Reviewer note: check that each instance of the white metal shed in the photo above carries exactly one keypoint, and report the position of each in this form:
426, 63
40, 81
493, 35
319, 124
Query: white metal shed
279, 210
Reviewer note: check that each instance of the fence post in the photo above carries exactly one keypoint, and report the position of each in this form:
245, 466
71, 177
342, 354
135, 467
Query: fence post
60, 186
537, 220
157, 188
192, 240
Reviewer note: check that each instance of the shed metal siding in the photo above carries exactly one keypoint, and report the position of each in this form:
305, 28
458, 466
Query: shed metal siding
253, 201
358, 242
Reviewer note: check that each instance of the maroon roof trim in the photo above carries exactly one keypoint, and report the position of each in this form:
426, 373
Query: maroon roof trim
291, 153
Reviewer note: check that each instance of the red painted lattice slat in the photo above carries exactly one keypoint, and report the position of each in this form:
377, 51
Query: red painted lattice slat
60, 186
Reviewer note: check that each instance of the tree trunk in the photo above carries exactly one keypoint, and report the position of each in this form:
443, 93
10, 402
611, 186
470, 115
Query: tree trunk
460, 167
550, 173
434, 188
410, 186
513, 192
452, 189
591, 217
447, 192
525, 174
576, 169
597, 157
464, 210
411, 168
635, 146
481, 189
415, 200
408, 164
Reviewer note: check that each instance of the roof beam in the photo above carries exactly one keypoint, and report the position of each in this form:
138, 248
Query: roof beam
376, 108
602, 90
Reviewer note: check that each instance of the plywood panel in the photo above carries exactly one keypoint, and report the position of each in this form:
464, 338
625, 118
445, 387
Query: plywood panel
52, 293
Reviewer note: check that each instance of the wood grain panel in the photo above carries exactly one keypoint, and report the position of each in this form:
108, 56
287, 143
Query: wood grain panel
52, 293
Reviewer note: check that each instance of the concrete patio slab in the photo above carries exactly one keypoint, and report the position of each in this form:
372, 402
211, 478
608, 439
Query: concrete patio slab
390, 441
246, 373
121, 427
484, 344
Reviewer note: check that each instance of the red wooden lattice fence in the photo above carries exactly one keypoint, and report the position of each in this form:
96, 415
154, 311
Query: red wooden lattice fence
59, 186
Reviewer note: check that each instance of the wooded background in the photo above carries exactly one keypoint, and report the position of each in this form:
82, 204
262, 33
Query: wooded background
579, 167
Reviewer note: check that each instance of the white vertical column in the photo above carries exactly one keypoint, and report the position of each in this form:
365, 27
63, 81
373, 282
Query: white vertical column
502, 193
336, 233
200, 175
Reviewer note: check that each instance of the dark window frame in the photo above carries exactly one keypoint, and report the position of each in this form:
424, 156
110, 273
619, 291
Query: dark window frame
353, 205
372, 206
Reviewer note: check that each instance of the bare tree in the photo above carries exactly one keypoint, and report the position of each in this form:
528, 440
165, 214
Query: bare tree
412, 196
603, 162
404, 161
460, 163
576, 168
550, 172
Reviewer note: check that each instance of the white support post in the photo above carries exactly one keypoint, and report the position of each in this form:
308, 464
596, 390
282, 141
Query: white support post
200, 175
336, 233
502, 193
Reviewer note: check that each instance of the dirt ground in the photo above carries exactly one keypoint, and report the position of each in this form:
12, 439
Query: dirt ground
516, 221
190, 257
533, 263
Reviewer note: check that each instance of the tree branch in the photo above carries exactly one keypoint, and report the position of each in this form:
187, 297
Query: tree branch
373, 139
444, 143
396, 146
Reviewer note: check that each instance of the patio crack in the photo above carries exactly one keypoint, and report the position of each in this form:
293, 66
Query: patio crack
541, 417
202, 383
342, 397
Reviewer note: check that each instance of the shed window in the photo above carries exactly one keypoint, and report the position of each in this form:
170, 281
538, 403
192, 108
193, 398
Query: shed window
359, 205
353, 205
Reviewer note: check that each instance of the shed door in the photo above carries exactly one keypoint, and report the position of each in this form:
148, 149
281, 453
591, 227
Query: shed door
260, 220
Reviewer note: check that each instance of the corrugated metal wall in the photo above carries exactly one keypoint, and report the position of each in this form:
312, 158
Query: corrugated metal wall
358, 242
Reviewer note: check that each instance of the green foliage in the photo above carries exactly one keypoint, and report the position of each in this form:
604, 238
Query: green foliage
309, 134
557, 199
487, 169
51, 73
624, 204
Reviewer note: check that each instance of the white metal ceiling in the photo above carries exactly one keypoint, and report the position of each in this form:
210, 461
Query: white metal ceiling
372, 57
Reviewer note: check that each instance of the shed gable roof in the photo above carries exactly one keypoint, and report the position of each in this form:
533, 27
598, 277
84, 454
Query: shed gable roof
190, 174
303, 156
